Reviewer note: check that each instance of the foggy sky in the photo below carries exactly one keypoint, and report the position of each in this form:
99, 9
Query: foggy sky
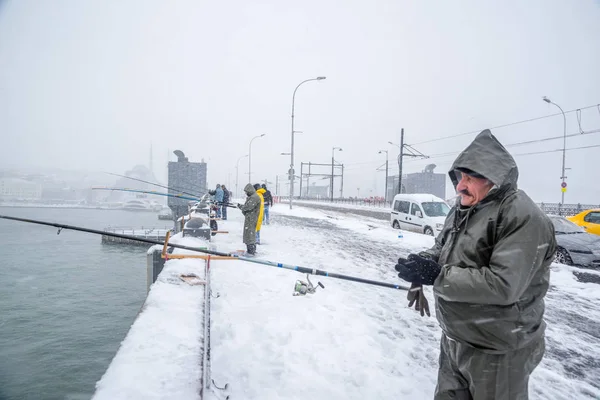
90, 85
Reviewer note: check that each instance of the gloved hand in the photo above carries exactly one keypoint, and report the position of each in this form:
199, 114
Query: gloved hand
417, 297
239, 205
417, 269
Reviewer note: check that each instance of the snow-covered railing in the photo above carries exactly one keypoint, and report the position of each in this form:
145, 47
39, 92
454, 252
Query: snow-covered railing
566, 209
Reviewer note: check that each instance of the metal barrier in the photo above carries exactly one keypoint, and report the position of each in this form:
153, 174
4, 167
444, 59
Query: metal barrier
548, 208
566, 209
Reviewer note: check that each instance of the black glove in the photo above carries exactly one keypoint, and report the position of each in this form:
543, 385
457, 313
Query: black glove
417, 269
417, 297
239, 205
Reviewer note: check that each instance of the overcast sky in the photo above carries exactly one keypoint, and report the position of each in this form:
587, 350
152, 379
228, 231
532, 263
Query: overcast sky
89, 85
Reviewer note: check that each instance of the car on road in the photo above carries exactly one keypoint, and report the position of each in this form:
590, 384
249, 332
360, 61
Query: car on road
588, 220
417, 212
574, 245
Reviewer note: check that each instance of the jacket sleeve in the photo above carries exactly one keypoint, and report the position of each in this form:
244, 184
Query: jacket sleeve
434, 252
525, 244
251, 203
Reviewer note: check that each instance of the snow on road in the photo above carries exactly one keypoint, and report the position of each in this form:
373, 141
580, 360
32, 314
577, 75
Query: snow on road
357, 341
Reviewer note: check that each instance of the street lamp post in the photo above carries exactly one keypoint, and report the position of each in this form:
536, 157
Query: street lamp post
332, 161
291, 171
563, 177
237, 166
386, 173
250, 157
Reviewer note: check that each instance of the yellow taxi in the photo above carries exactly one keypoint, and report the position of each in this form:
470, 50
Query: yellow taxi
589, 220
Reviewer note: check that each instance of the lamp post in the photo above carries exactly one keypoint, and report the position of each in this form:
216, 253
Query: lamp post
563, 177
237, 165
250, 157
332, 161
291, 171
386, 173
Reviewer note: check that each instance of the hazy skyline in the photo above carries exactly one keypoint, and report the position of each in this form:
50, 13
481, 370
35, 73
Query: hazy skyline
91, 85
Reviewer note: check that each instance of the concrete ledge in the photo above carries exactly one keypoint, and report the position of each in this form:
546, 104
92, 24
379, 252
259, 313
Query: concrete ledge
161, 355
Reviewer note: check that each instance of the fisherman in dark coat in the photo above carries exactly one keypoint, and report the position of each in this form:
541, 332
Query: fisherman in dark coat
490, 271
250, 209
225, 202
268, 203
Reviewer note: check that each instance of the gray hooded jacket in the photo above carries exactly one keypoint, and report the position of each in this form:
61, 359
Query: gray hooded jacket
495, 258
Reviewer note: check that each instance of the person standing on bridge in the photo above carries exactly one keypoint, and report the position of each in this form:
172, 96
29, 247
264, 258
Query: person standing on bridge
226, 196
250, 209
219, 199
490, 271
260, 191
268, 203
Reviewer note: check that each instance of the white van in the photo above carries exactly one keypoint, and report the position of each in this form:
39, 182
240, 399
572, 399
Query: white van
422, 213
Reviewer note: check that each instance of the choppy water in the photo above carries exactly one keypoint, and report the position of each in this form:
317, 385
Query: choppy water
66, 301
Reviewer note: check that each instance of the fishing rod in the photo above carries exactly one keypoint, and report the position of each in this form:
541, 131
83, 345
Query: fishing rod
155, 184
179, 196
303, 270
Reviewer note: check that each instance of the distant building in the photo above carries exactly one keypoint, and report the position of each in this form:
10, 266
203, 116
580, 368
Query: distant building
315, 191
19, 189
419, 182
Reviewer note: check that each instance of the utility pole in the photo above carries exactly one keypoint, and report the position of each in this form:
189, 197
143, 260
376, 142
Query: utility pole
386, 173
332, 165
307, 182
342, 185
410, 152
400, 157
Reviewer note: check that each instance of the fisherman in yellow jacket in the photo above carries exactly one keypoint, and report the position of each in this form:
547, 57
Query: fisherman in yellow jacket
260, 191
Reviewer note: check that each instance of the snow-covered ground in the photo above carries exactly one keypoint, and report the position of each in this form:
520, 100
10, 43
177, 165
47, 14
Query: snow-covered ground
347, 341
356, 341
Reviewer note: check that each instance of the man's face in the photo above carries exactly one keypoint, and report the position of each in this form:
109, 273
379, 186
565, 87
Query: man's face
472, 190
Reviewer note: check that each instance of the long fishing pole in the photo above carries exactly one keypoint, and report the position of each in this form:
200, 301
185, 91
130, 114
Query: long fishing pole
155, 184
303, 270
179, 196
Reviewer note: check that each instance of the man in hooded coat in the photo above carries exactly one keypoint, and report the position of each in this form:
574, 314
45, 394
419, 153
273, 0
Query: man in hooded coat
250, 209
490, 271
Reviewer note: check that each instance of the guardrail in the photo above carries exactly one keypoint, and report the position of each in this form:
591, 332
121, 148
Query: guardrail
548, 208
351, 201
145, 232
566, 209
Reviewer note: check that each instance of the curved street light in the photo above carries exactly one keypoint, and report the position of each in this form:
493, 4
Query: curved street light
250, 157
291, 171
563, 177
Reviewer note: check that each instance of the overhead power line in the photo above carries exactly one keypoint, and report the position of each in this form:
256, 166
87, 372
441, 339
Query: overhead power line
509, 124
518, 143
532, 153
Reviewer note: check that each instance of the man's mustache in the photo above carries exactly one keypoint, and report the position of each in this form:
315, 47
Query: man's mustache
465, 192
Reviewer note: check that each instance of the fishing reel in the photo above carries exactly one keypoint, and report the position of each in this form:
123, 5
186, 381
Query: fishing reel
302, 288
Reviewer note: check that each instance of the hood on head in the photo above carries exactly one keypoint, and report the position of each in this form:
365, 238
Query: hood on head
249, 189
486, 156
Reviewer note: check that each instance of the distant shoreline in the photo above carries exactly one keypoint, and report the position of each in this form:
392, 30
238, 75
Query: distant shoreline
58, 206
